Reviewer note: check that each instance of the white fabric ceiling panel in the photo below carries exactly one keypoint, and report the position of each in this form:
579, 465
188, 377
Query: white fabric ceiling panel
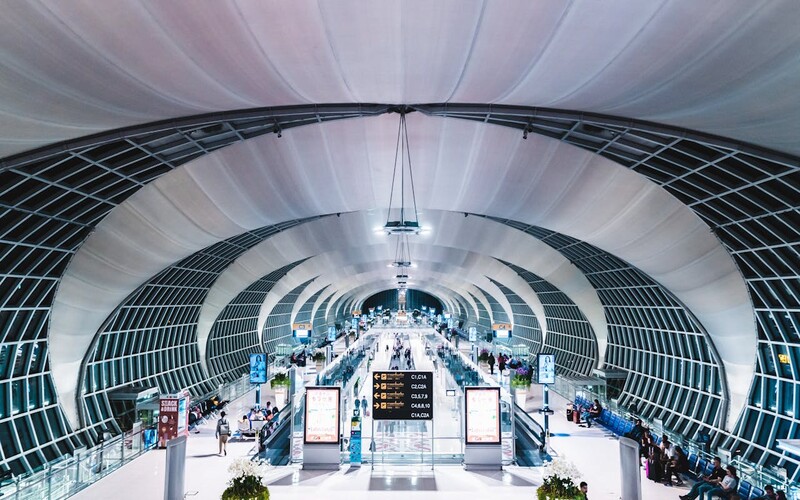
345, 270
346, 166
70, 69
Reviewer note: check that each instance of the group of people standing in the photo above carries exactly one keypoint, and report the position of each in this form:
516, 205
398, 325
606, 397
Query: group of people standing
502, 361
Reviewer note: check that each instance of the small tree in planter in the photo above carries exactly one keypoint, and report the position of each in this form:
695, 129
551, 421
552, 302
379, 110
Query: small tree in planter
246, 482
280, 384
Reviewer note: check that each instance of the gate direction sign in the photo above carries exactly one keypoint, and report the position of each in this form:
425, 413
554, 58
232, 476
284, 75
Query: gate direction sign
402, 395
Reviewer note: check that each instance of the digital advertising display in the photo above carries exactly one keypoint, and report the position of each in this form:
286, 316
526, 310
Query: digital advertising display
322, 415
331, 333
482, 410
473, 334
258, 368
546, 369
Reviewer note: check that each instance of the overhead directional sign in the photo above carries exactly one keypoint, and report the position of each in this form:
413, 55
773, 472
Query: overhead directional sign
406, 395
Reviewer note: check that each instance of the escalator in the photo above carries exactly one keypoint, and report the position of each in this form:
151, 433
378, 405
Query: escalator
276, 448
529, 444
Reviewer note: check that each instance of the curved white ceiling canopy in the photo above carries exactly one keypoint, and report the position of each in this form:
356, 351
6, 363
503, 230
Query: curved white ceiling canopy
77, 68
461, 166
451, 276
354, 232
348, 268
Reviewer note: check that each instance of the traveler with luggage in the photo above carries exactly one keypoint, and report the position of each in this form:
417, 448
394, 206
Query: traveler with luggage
223, 432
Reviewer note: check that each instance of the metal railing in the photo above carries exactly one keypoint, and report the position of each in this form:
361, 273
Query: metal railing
66, 477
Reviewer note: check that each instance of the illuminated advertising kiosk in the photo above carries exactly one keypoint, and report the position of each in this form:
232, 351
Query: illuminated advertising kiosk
483, 443
321, 431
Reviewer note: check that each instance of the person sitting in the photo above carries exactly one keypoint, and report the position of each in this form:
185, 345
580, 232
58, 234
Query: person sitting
636, 432
244, 425
726, 487
716, 476
769, 493
675, 466
593, 413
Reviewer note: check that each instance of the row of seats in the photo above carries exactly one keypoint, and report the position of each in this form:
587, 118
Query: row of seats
697, 466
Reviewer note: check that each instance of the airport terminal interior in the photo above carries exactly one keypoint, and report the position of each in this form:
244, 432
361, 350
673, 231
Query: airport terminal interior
410, 248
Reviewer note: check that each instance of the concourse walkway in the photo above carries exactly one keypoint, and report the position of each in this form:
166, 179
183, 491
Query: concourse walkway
593, 451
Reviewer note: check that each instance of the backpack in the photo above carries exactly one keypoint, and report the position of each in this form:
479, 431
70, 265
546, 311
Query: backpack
224, 427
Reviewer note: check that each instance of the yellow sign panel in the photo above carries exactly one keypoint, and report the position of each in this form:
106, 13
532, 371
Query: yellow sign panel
784, 359
301, 326
501, 326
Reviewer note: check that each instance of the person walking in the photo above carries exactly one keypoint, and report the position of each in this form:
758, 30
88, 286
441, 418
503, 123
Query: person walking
222, 433
501, 363
491, 363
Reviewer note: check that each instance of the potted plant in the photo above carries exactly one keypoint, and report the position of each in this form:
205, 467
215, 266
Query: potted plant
521, 382
245, 483
280, 384
558, 482
319, 359
483, 359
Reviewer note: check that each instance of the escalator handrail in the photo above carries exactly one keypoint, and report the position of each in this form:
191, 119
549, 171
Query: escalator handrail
535, 429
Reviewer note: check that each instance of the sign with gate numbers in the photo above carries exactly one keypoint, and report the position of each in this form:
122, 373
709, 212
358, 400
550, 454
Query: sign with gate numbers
402, 395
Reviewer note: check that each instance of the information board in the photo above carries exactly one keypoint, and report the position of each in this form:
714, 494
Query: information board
402, 395
331, 334
322, 415
473, 334
482, 409
546, 369
258, 368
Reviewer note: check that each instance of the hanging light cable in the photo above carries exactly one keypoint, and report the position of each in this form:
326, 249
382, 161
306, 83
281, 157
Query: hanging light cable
402, 155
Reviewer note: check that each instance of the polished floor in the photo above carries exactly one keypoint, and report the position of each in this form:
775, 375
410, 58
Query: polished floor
594, 451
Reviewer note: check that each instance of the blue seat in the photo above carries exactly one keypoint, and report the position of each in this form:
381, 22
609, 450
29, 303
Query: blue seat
744, 489
626, 428
701, 466
756, 492
692, 461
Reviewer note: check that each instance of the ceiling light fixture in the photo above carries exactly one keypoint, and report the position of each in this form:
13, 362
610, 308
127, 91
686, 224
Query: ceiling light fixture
401, 225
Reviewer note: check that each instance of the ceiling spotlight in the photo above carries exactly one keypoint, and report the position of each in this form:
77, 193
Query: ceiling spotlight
528, 128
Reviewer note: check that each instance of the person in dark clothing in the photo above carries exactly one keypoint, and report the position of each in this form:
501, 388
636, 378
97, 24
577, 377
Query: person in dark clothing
654, 467
675, 466
593, 413
637, 431
584, 491
491, 363
647, 445
715, 478
501, 363
769, 493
